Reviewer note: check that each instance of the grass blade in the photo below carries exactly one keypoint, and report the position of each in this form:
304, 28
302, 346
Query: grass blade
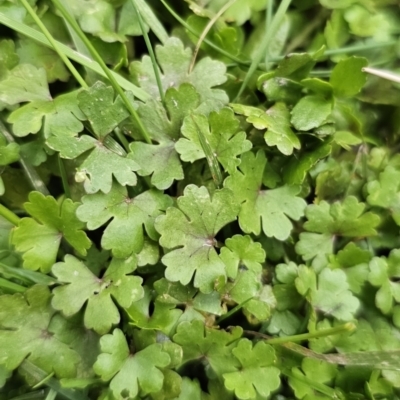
30, 172
73, 55
203, 35
194, 32
11, 286
210, 157
151, 20
104, 67
53, 43
151, 51
39, 375
26, 275
271, 31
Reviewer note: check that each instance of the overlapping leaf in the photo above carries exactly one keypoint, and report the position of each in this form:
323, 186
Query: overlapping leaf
161, 160
276, 121
220, 132
174, 59
26, 331
326, 221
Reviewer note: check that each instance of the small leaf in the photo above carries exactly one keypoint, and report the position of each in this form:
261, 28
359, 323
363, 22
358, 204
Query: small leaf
196, 222
347, 77
39, 237
130, 373
256, 377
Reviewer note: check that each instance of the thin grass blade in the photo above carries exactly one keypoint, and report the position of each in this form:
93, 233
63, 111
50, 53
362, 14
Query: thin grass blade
73, 55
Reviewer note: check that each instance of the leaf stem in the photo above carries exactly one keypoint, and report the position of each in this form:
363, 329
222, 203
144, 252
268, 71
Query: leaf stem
271, 31
151, 52
9, 215
104, 67
269, 16
50, 38
348, 327
203, 35
64, 177
232, 311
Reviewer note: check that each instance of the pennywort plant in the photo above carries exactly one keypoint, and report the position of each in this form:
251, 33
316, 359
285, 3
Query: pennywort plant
199, 199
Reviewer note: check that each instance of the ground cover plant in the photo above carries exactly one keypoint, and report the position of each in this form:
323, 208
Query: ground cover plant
199, 199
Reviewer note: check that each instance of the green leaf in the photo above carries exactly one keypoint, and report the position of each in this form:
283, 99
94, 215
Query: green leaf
8, 57
295, 171
124, 234
163, 124
43, 58
97, 18
385, 192
27, 332
174, 61
214, 345
271, 207
310, 112
276, 122
196, 221
347, 78
326, 221
240, 251
39, 237
384, 273
256, 376
102, 111
240, 12
81, 286
100, 165
60, 116
24, 83
333, 296
162, 318
130, 373
248, 290
9, 152
316, 370
220, 131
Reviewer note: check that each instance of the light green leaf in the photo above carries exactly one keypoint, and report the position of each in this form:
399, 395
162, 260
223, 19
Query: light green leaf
39, 237
310, 112
102, 111
256, 377
174, 61
27, 332
385, 192
347, 78
24, 83
161, 160
220, 131
196, 222
81, 286
130, 373
271, 207
276, 122
124, 234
